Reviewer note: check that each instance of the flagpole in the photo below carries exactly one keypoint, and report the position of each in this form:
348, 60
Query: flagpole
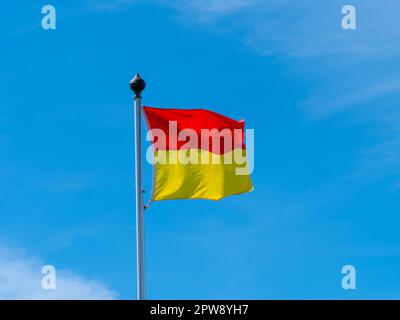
137, 85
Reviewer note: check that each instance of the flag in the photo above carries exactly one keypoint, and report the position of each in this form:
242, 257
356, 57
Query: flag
196, 154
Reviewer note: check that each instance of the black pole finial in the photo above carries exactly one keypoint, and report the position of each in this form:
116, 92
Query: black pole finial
137, 85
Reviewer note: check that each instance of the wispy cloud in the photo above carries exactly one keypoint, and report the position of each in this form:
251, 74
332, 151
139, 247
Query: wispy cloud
20, 278
353, 97
308, 34
349, 71
217, 7
108, 5
213, 10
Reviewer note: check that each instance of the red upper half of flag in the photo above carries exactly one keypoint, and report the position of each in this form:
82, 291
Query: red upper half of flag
177, 129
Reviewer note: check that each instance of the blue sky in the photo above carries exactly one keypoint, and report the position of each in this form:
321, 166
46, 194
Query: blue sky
324, 105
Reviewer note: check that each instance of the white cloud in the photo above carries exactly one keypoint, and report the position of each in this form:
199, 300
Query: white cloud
20, 278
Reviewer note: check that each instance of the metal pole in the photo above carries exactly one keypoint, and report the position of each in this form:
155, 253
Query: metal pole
137, 85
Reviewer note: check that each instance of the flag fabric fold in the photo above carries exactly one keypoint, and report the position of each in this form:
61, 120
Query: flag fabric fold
196, 154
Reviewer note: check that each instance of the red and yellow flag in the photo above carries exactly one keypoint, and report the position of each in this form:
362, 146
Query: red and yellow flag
196, 154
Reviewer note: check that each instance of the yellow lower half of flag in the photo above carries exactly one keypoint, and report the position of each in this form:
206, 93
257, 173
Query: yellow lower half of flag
199, 174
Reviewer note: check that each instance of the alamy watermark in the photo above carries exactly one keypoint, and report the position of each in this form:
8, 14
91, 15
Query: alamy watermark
50, 277
349, 279
49, 20
211, 146
349, 19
